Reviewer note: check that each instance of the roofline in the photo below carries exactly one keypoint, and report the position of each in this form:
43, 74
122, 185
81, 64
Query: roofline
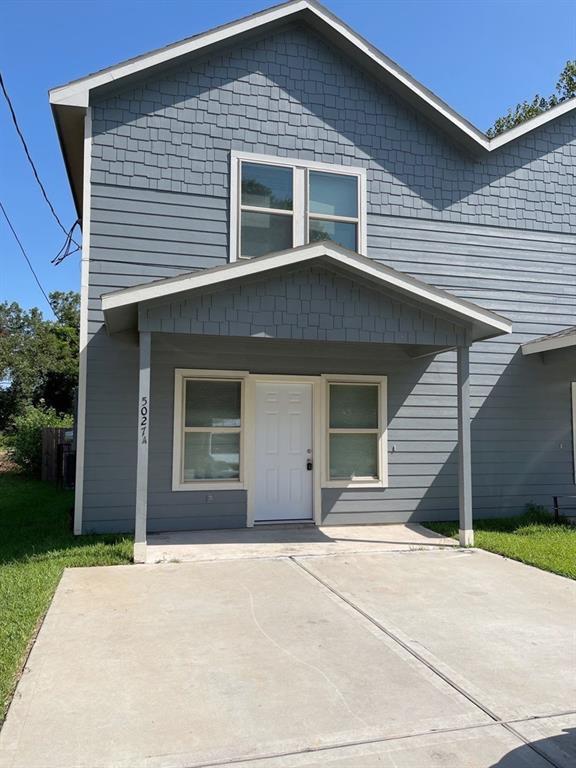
361, 264
549, 343
77, 92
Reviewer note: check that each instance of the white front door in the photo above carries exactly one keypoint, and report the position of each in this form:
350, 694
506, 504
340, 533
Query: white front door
283, 452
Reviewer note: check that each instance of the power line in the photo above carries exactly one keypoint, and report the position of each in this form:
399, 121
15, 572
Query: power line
27, 259
67, 232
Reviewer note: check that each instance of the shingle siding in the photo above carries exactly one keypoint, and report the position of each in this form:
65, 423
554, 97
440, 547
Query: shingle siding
291, 95
499, 231
312, 303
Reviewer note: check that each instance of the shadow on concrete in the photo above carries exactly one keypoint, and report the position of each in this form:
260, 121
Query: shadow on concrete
559, 751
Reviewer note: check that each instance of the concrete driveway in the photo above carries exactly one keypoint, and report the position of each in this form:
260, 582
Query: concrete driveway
414, 659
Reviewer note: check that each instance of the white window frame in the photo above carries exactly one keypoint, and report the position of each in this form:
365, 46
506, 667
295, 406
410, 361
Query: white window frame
300, 212
182, 375
382, 480
321, 405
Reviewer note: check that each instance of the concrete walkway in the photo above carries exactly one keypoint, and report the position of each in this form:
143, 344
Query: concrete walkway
415, 659
292, 541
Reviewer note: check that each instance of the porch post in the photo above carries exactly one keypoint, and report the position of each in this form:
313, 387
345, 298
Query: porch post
464, 451
142, 460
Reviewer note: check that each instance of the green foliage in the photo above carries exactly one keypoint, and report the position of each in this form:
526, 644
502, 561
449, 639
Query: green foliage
38, 357
565, 89
36, 544
26, 442
533, 538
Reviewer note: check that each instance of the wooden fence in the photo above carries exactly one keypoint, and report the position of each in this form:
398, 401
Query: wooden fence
57, 456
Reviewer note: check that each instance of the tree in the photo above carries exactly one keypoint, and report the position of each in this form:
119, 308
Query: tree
565, 89
38, 357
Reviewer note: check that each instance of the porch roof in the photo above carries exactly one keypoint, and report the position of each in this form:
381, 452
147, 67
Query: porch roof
564, 338
121, 307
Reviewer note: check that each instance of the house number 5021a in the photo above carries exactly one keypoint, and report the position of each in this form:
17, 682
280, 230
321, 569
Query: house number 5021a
143, 415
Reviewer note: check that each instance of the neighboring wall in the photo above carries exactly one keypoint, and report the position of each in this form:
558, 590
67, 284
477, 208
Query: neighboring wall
499, 231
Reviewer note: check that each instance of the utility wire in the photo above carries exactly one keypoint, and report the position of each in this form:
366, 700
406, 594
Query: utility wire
27, 259
67, 232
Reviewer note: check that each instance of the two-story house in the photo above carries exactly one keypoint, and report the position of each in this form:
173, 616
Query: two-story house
311, 290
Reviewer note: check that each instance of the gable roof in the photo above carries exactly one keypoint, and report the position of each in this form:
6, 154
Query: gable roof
559, 340
120, 307
70, 101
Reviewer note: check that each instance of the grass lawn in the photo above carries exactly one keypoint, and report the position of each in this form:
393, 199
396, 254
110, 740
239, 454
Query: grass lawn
532, 538
36, 544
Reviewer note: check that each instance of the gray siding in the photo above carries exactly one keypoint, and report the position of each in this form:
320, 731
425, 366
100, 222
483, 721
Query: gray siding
290, 94
499, 232
311, 303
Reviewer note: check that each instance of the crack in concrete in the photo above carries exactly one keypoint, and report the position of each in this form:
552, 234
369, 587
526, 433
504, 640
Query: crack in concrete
298, 660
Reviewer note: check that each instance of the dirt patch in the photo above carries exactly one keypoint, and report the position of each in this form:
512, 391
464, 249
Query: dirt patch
6, 463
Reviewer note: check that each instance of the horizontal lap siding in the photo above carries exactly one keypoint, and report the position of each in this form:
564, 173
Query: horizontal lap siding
494, 231
136, 237
521, 441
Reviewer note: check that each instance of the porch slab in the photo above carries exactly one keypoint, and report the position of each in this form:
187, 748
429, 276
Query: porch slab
291, 541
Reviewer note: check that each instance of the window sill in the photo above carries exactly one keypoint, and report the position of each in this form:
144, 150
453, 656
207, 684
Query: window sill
354, 484
210, 485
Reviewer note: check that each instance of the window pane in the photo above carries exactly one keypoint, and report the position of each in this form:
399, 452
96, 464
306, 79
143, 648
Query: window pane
266, 186
339, 232
209, 456
263, 233
212, 403
333, 194
353, 406
353, 456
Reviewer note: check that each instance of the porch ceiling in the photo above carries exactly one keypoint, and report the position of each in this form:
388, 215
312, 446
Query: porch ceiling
121, 307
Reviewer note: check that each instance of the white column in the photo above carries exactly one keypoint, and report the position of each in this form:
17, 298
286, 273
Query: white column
143, 439
464, 449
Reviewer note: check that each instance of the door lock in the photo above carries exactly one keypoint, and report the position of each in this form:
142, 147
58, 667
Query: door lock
309, 465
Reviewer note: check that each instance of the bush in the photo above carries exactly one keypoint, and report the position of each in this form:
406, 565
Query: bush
26, 442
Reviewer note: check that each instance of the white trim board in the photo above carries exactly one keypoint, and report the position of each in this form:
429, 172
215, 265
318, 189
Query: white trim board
77, 92
485, 323
549, 343
83, 341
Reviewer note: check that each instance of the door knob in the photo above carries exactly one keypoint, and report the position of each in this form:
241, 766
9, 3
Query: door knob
309, 465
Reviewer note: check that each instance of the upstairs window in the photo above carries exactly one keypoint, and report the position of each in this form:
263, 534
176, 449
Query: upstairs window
333, 208
266, 205
278, 204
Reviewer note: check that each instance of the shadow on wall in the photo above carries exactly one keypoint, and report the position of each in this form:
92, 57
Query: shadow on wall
335, 95
521, 441
557, 750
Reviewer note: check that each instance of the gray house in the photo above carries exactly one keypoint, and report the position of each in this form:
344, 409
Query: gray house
311, 291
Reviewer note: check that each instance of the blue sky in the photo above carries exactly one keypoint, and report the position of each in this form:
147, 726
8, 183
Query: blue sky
480, 56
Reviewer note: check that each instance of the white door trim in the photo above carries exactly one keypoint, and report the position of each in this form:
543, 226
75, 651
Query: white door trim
317, 443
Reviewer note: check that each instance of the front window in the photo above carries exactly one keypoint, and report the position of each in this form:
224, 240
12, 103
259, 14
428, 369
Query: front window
211, 429
355, 432
281, 205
